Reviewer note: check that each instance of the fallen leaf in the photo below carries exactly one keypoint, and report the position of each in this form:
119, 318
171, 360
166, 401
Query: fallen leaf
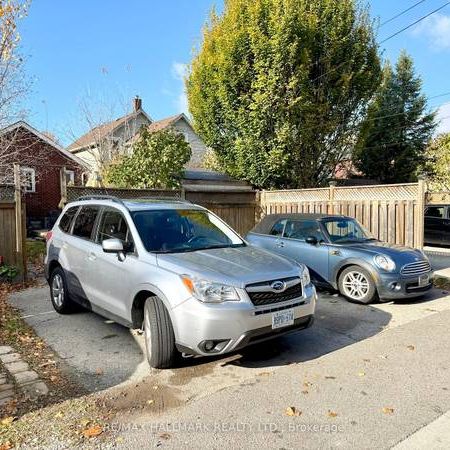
366, 360
119, 440
382, 356
329, 377
155, 387
165, 436
292, 411
332, 413
58, 415
307, 384
387, 410
93, 431
362, 374
411, 347
263, 374
150, 402
5, 446
7, 421
99, 371
305, 392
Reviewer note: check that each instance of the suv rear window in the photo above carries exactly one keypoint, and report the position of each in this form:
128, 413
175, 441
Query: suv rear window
84, 223
66, 219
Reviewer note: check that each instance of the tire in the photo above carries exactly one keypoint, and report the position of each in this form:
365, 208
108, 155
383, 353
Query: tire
159, 335
59, 293
357, 285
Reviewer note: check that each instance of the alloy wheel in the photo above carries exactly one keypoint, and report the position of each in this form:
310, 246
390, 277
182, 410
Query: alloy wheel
355, 285
58, 290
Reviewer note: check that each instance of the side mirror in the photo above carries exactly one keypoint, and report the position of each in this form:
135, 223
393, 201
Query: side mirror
311, 240
112, 246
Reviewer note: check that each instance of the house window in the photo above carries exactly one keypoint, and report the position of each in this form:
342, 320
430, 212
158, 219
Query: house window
29, 179
70, 177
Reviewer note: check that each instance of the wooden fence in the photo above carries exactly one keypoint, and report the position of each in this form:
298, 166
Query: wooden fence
13, 225
392, 213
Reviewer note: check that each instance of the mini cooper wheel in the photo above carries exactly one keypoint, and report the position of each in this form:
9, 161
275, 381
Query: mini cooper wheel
159, 336
357, 285
59, 294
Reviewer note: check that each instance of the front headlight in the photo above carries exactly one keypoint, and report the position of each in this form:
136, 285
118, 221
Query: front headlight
306, 279
384, 262
210, 292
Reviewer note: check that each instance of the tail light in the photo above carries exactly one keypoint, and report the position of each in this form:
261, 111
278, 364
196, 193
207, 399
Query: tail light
49, 235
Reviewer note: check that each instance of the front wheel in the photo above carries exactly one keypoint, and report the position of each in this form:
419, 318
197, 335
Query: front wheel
159, 335
357, 285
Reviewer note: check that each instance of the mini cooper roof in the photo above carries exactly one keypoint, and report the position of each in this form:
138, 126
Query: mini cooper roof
267, 222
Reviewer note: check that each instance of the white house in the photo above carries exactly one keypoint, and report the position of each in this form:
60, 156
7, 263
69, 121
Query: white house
98, 146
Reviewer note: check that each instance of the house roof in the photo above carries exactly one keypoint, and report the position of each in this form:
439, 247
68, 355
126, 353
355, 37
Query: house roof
101, 131
164, 123
43, 137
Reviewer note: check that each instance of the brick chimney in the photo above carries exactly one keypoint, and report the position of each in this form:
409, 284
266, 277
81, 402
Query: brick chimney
137, 103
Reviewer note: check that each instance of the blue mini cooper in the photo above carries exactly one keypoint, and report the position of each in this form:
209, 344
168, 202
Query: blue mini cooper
339, 252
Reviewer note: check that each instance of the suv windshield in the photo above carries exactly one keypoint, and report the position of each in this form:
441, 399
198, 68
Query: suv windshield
183, 230
346, 230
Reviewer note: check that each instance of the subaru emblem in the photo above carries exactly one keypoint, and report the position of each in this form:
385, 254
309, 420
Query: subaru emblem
278, 286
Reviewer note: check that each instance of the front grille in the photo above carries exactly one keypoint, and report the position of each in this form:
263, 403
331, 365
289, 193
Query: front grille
269, 297
415, 269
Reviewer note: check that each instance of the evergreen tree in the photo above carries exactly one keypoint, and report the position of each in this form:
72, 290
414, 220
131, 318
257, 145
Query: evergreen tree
398, 127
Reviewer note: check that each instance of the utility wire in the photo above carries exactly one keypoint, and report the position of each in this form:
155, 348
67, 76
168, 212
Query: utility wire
401, 13
414, 23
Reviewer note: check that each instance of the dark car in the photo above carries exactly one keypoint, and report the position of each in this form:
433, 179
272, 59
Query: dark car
339, 252
437, 225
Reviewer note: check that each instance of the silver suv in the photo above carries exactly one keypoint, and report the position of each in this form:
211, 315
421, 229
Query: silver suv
178, 272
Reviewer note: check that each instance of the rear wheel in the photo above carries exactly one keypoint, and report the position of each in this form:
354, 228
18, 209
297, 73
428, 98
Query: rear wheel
159, 335
357, 285
59, 294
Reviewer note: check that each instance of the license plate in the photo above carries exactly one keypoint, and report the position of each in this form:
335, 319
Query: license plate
424, 280
283, 318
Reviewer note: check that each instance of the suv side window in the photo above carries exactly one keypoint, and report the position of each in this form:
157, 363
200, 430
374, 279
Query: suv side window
277, 229
114, 225
435, 211
85, 221
67, 218
301, 229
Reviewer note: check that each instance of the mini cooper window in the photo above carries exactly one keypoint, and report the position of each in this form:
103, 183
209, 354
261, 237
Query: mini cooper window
301, 229
277, 229
346, 230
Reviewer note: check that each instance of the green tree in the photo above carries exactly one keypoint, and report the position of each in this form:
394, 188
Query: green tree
398, 126
437, 163
278, 86
157, 160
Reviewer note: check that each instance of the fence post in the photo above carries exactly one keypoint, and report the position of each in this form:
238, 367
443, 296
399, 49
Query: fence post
18, 207
331, 195
63, 184
421, 192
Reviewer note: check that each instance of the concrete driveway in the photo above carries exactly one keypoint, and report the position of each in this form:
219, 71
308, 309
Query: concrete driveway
102, 354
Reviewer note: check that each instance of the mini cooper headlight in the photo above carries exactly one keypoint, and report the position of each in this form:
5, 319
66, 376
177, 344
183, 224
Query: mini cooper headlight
384, 262
209, 291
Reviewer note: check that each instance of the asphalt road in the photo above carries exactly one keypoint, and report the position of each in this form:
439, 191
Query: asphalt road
341, 373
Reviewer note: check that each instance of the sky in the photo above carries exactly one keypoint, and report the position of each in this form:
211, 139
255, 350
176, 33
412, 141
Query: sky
91, 57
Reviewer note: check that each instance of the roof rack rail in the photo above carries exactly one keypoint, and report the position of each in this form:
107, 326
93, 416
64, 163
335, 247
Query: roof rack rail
161, 199
101, 197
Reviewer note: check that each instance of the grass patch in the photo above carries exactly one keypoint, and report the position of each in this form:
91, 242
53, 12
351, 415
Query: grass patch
35, 249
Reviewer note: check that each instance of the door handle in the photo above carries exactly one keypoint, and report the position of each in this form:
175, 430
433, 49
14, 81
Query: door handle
92, 256
280, 244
